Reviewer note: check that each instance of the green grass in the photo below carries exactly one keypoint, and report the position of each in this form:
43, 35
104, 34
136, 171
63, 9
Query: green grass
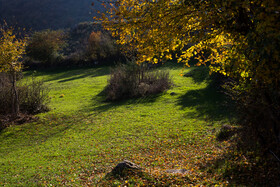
83, 137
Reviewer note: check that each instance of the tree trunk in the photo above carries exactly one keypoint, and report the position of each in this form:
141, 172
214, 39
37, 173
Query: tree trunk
15, 107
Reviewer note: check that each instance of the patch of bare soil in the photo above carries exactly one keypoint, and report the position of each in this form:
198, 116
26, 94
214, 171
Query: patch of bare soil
9, 120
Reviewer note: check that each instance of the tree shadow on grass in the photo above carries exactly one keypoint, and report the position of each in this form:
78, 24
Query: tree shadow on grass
88, 73
208, 102
62, 75
243, 164
198, 74
38, 132
107, 105
211, 101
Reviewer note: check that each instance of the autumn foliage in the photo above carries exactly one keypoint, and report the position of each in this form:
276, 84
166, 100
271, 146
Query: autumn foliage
101, 46
239, 39
11, 52
15, 98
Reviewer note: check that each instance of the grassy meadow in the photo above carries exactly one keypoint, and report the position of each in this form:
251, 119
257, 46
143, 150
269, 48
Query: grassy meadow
83, 137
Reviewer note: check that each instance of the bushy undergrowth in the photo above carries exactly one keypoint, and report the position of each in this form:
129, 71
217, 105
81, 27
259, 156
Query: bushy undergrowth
33, 96
132, 80
258, 114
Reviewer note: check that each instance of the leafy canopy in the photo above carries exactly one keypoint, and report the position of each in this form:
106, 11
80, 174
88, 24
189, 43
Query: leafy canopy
238, 38
11, 51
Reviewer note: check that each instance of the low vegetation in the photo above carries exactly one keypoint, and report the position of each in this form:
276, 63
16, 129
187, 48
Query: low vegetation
133, 80
32, 98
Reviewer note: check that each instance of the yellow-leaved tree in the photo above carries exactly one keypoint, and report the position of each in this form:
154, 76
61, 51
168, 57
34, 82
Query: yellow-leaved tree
11, 51
237, 38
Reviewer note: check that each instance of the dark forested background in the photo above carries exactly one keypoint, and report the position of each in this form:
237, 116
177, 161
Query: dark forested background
47, 14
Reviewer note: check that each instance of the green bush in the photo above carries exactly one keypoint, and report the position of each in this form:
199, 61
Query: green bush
101, 46
45, 46
132, 80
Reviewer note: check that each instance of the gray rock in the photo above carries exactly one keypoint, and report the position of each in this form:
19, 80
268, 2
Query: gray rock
176, 171
125, 166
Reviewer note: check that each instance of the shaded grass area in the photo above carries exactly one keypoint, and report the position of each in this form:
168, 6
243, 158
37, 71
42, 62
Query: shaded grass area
82, 138
62, 75
209, 102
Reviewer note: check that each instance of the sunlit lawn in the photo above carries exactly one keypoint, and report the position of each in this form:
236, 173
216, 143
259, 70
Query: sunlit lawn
82, 138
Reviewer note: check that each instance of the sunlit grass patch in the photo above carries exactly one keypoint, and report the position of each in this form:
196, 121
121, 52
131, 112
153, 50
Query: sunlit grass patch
83, 137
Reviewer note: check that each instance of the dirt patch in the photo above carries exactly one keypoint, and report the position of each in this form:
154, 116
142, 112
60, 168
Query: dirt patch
9, 120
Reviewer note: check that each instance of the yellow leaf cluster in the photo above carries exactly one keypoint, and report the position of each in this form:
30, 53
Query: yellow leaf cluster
236, 38
11, 51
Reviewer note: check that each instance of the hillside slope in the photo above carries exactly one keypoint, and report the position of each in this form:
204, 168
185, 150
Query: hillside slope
43, 14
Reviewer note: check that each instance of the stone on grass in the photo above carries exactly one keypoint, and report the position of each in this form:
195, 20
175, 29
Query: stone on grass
125, 168
176, 171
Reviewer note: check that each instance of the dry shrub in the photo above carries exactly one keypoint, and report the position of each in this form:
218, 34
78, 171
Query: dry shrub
123, 82
132, 80
158, 82
33, 96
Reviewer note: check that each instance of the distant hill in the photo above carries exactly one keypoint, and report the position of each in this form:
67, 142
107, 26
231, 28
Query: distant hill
44, 14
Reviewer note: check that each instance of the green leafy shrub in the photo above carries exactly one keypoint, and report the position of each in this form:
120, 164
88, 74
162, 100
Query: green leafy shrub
101, 46
45, 46
132, 80
33, 96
